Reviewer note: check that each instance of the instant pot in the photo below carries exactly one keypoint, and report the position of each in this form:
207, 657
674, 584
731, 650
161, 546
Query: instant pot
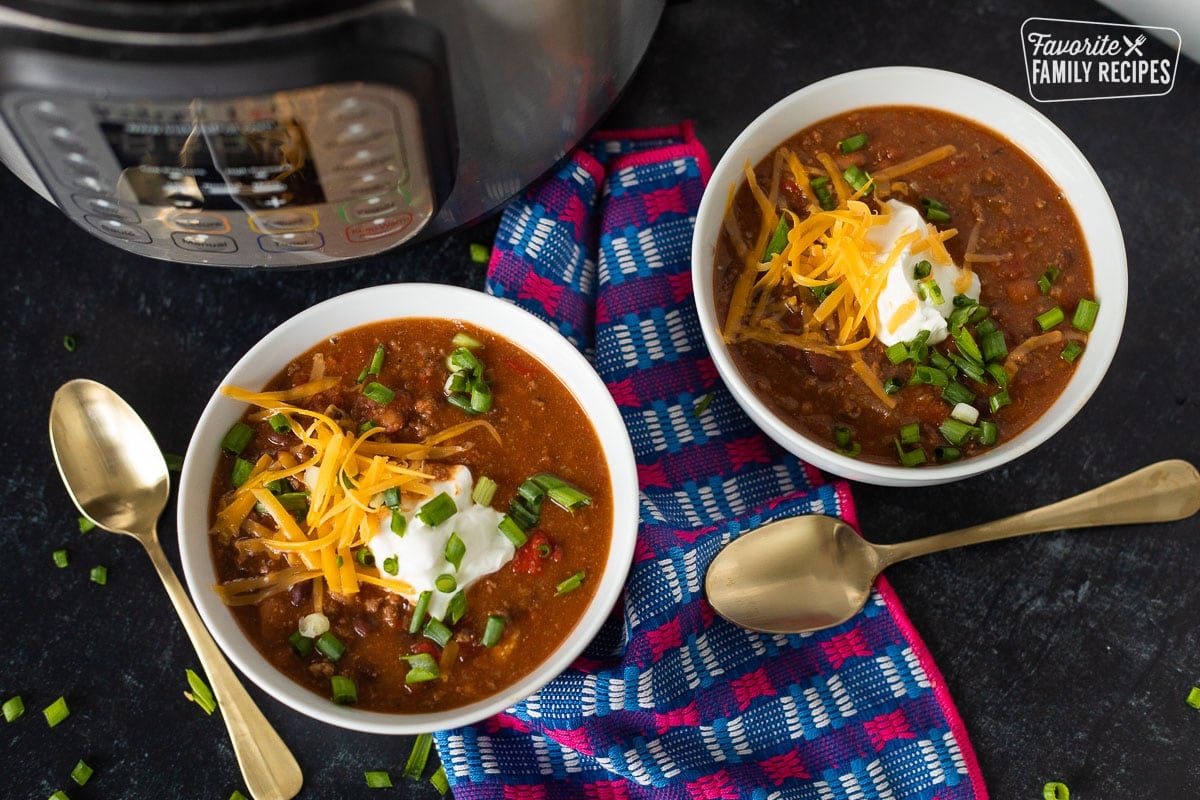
296, 132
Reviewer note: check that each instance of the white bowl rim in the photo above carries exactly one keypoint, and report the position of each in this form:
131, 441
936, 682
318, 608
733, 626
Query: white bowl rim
991, 107
345, 312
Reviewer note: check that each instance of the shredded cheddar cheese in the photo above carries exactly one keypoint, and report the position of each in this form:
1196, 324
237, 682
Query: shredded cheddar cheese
345, 474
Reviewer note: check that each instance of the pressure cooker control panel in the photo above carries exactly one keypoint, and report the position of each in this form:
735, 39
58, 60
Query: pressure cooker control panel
288, 178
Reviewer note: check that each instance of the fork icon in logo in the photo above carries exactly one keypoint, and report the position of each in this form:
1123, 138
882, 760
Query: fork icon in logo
1132, 47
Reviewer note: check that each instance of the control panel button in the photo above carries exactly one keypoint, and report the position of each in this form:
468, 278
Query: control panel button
204, 242
105, 207
301, 219
198, 222
371, 207
118, 229
379, 228
291, 242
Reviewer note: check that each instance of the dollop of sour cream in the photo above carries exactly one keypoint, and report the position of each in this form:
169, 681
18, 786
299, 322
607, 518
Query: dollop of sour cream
421, 552
900, 288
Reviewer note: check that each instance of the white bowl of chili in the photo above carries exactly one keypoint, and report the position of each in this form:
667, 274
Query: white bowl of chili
892, 207
321, 617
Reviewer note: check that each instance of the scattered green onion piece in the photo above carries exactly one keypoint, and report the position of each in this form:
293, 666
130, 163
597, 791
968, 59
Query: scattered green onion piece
1048, 278
897, 353
445, 583
824, 290
201, 695
238, 796
480, 253
391, 565
422, 667
702, 404
1085, 315
99, 574
778, 240
992, 346
85, 525
294, 501
376, 365
280, 423
842, 436
984, 327
462, 359
892, 385
485, 491
561, 493
947, 454
419, 756
852, 143
512, 531
69, 343
999, 374
399, 523
1048, 319
956, 431
61, 559
13, 708
493, 630
174, 462
570, 584
457, 383
909, 458
825, 198
989, 432
440, 781
1071, 351
391, 497
934, 210
301, 644
544, 550
1193, 698
82, 773
419, 612
999, 400
457, 607
237, 438
348, 480
379, 393
379, 779
466, 340
1056, 790
856, 178
59, 795
955, 393
364, 556
436, 632
964, 412
368, 425
437, 510
56, 712
331, 646
967, 346
934, 291
455, 550
481, 398
343, 690
938, 360
928, 375
922, 270
910, 433
241, 471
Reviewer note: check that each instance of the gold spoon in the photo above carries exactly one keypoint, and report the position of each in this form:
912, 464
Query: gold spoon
812, 572
117, 477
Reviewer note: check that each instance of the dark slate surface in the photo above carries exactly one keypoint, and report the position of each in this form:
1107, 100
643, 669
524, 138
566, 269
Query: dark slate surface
1069, 654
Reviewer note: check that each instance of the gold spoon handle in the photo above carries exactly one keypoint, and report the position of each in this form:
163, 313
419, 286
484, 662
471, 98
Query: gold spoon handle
268, 767
1160, 492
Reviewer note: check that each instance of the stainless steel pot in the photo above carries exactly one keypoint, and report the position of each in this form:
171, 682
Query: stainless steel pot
296, 132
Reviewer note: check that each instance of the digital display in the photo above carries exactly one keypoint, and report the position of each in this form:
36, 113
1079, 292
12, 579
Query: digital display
261, 164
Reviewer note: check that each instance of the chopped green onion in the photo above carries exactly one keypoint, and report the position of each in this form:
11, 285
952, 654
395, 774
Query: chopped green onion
485, 491
456, 607
820, 187
1056, 790
892, 385
13, 708
570, 584
897, 353
934, 210
364, 556
1193, 698
379, 779
984, 327
778, 240
466, 340
437, 510
965, 412
391, 565
201, 695
419, 756
967, 346
238, 796
929, 376
1085, 315
391, 497
998, 373
60, 558
561, 493
989, 433
910, 433
909, 458
1071, 351
934, 291
56, 712
241, 471
331, 646
842, 436
69, 343
544, 550
999, 400
422, 667
856, 177
823, 291
455, 550
419, 612
174, 462
99, 574
1048, 278
922, 270
947, 454
956, 393
702, 404
445, 583
343, 690
481, 398
294, 501
992, 345
437, 632
440, 781
852, 143
301, 644
82, 773
1049, 319
59, 795
512, 531
956, 431
85, 525
399, 522
493, 630
237, 438
280, 423
480, 253
379, 393
376, 365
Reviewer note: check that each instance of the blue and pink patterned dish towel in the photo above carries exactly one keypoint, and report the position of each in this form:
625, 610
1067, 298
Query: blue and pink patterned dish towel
672, 701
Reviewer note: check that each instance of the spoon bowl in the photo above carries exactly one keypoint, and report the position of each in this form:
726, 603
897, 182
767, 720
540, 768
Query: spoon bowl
812, 572
117, 477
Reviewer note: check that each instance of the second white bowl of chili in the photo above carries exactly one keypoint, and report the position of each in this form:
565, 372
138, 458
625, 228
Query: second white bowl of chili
922, 279
407, 508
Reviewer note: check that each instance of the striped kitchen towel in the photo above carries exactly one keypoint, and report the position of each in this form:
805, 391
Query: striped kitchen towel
671, 701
